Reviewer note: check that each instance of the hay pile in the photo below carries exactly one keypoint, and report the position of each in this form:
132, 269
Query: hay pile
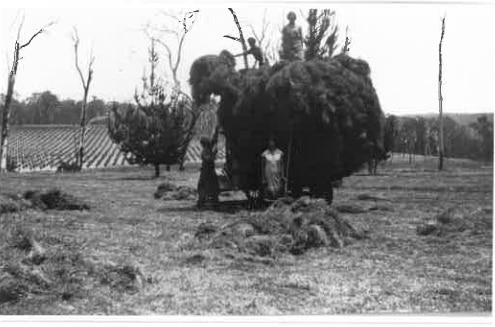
169, 191
328, 108
29, 268
284, 227
53, 199
11, 204
456, 220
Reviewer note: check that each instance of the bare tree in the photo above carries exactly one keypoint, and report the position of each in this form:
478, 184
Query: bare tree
240, 39
174, 49
261, 38
440, 98
184, 23
18, 46
86, 82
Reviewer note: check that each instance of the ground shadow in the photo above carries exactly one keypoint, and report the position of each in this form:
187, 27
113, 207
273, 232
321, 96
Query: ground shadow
226, 206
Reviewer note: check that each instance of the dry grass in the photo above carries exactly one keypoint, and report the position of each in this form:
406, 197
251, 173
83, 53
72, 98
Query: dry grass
394, 270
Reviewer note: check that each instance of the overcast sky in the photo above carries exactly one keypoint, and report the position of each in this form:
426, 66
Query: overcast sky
399, 41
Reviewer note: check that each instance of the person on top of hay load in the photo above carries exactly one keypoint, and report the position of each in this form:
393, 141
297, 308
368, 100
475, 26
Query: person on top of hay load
292, 40
272, 173
255, 51
208, 186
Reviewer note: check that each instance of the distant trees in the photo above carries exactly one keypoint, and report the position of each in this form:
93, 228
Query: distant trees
157, 128
390, 134
45, 108
420, 136
484, 130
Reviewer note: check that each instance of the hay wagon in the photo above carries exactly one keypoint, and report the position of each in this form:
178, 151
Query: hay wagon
324, 115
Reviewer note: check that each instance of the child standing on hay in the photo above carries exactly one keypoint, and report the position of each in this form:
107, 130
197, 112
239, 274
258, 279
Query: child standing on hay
255, 51
292, 40
272, 171
208, 187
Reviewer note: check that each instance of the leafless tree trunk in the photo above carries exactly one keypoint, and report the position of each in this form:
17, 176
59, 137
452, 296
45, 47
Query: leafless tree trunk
86, 82
10, 91
260, 37
186, 20
440, 98
345, 48
241, 38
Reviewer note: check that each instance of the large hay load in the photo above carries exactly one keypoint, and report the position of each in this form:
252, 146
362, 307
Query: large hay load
324, 114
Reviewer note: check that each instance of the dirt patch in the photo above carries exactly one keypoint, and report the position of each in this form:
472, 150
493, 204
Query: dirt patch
458, 220
284, 227
169, 191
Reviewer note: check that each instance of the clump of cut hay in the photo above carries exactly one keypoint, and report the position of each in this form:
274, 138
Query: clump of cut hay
456, 220
11, 203
54, 199
284, 227
169, 191
123, 278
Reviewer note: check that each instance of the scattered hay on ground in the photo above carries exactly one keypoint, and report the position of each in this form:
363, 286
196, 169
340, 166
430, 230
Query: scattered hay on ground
59, 270
169, 191
458, 220
283, 227
11, 204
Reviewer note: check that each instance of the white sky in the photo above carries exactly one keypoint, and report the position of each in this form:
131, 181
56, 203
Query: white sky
399, 41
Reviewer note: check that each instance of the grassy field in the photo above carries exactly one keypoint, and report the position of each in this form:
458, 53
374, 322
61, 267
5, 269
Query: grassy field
393, 271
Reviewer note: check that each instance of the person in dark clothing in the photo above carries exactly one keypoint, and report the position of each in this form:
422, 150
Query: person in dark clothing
255, 51
208, 186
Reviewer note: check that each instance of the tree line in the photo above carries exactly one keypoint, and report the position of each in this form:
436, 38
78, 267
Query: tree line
45, 108
420, 136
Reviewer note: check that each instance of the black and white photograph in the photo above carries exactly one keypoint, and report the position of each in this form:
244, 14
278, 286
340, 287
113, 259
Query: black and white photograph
251, 160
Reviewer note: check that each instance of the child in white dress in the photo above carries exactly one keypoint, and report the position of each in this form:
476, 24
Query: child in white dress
273, 171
